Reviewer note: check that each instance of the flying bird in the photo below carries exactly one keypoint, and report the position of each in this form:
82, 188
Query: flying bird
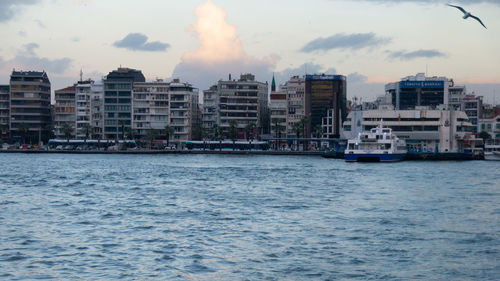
467, 14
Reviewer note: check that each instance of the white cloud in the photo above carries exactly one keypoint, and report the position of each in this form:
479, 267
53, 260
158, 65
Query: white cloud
220, 52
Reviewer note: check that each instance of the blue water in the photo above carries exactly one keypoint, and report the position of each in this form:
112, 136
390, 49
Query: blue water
206, 217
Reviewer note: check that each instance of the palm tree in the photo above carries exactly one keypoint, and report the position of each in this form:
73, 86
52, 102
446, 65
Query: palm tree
131, 133
23, 129
67, 130
151, 134
217, 135
249, 129
122, 124
233, 131
87, 129
318, 131
169, 131
297, 129
303, 124
4, 129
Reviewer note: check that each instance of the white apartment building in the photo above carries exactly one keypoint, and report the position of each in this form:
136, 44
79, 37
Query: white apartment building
159, 104
97, 109
295, 100
278, 109
83, 93
151, 107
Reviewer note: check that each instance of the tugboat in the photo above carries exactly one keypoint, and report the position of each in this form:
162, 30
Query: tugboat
377, 145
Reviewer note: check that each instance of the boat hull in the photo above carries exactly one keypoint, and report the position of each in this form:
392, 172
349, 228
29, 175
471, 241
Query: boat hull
354, 157
491, 156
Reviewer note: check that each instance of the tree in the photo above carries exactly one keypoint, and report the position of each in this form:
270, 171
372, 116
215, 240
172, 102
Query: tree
23, 130
484, 135
86, 129
233, 131
249, 130
169, 131
49, 132
303, 124
278, 129
217, 135
122, 124
4, 129
131, 133
318, 131
67, 130
152, 134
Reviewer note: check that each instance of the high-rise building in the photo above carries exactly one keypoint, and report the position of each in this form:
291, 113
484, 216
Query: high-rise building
243, 101
4, 111
325, 97
97, 109
184, 110
151, 107
417, 91
473, 107
210, 108
295, 99
30, 115
64, 110
159, 104
83, 94
118, 87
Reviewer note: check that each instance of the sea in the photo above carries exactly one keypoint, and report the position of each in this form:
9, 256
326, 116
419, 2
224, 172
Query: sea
246, 217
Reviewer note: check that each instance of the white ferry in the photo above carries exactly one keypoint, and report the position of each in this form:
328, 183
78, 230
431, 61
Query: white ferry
492, 152
377, 145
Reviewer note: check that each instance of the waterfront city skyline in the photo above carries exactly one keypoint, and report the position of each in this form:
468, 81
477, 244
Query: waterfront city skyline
371, 42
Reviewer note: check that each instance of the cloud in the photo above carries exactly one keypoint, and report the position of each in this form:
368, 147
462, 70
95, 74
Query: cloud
404, 55
138, 42
10, 7
220, 52
356, 78
22, 33
27, 59
345, 41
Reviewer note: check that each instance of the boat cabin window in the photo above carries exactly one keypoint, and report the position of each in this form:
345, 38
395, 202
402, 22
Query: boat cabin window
386, 131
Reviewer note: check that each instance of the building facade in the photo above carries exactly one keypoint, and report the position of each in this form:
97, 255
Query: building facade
473, 107
64, 110
243, 101
210, 109
324, 93
419, 90
83, 94
278, 111
118, 87
491, 126
295, 103
30, 111
4, 111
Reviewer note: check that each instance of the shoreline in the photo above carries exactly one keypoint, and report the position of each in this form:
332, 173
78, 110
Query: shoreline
151, 152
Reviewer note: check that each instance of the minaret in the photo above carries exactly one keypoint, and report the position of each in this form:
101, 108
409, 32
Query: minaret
273, 85
81, 75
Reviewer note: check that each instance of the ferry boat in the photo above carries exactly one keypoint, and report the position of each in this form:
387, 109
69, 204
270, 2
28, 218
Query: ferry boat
377, 145
492, 152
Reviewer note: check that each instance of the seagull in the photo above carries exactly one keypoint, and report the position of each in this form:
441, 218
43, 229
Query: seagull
467, 14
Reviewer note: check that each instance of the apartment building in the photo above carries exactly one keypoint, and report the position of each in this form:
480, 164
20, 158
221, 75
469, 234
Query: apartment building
64, 110
295, 100
4, 111
243, 101
30, 105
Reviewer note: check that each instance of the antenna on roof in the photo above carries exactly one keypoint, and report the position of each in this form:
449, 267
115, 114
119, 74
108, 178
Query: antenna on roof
81, 75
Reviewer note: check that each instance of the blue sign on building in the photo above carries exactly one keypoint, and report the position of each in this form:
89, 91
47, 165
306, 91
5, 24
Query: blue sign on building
421, 84
317, 77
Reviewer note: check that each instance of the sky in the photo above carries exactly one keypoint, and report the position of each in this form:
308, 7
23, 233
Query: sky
372, 42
